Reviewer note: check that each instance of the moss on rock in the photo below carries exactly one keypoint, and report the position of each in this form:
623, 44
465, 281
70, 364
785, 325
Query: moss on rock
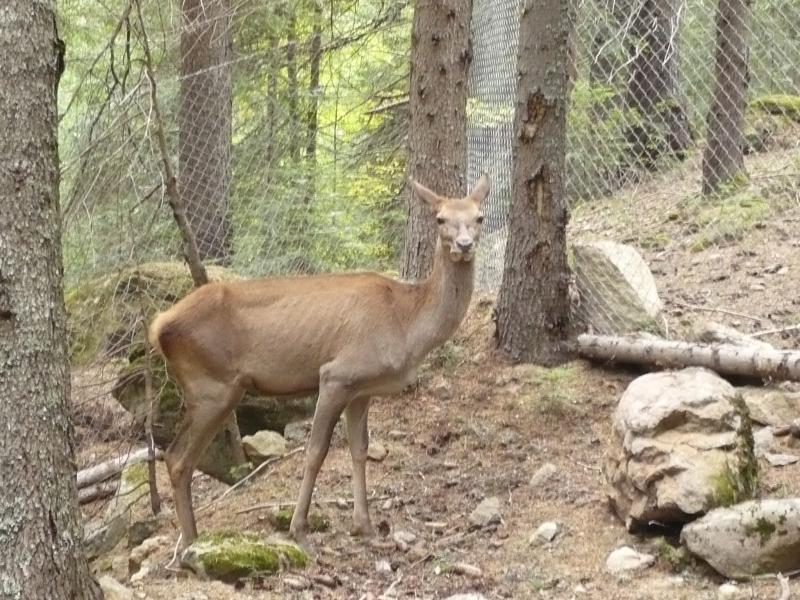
231, 556
787, 105
281, 518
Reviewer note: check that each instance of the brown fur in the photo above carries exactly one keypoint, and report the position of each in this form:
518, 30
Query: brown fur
349, 336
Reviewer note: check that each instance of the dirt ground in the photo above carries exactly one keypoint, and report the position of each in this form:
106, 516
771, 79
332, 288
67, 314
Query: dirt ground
477, 427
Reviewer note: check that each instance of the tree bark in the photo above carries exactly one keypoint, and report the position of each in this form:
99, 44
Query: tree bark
313, 102
204, 144
653, 88
732, 360
292, 85
533, 304
40, 529
440, 58
723, 158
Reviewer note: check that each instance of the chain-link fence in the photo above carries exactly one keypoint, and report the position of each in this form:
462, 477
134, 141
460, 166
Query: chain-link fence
285, 126
682, 139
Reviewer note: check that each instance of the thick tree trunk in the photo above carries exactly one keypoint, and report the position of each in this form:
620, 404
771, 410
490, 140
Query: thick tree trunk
732, 360
723, 159
533, 303
653, 88
313, 102
204, 143
440, 57
40, 526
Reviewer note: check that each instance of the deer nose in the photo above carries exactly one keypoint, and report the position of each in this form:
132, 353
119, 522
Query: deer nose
464, 245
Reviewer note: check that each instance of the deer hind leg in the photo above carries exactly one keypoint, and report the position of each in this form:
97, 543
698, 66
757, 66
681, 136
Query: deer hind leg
358, 436
331, 402
208, 405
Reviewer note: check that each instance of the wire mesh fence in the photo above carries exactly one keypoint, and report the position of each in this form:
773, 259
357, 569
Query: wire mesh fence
682, 139
285, 125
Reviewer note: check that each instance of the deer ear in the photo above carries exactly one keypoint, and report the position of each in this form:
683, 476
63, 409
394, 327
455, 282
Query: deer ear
431, 198
481, 189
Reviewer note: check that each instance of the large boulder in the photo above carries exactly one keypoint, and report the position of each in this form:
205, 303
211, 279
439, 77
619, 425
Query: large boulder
772, 405
684, 448
616, 291
751, 538
232, 556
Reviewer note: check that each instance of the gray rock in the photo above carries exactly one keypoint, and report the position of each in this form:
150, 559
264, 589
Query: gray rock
771, 405
138, 556
264, 445
113, 589
727, 591
627, 559
543, 475
677, 433
780, 460
296, 432
546, 532
615, 288
486, 513
751, 538
139, 531
377, 451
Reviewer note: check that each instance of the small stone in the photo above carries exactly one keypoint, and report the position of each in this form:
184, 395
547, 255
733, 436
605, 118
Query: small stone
627, 559
377, 451
467, 569
404, 537
580, 589
383, 566
113, 589
418, 552
387, 504
264, 445
443, 391
437, 526
757, 287
295, 583
396, 434
727, 591
546, 532
780, 460
139, 531
486, 513
140, 575
543, 475
296, 432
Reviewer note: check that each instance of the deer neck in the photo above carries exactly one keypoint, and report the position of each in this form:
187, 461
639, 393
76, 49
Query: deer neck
446, 294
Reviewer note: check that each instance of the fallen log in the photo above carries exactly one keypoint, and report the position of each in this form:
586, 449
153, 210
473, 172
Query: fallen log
110, 468
97, 491
727, 359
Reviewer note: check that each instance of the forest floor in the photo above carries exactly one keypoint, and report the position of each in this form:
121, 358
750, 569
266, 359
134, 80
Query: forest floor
477, 427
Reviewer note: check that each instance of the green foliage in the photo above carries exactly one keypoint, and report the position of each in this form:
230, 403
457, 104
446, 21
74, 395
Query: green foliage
677, 557
737, 483
779, 104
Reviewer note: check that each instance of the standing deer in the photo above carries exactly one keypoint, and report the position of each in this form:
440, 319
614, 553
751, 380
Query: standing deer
349, 336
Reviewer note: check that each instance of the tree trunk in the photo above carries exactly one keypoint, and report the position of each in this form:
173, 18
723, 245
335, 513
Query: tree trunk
437, 139
653, 88
533, 303
769, 364
723, 159
313, 102
204, 144
293, 91
40, 526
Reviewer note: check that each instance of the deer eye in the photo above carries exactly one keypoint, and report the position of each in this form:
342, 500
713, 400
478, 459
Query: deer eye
479, 219
440, 220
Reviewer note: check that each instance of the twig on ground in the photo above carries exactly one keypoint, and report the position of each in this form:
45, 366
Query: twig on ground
269, 505
724, 311
778, 330
170, 564
389, 593
252, 474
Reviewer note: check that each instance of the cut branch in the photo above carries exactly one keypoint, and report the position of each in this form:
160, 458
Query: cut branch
95, 492
110, 468
191, 254
732, 360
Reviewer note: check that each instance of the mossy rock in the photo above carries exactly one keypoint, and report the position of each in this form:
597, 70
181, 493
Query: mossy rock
104, 313
281, 518
787, 105
231, 556
220, 459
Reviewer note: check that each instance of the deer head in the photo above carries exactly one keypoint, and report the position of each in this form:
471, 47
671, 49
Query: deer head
458, 219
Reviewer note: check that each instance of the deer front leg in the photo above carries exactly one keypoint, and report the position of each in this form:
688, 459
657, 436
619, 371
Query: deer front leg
358, 436
330, 404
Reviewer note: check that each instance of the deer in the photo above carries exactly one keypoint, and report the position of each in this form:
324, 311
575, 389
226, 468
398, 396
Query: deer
347, 337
